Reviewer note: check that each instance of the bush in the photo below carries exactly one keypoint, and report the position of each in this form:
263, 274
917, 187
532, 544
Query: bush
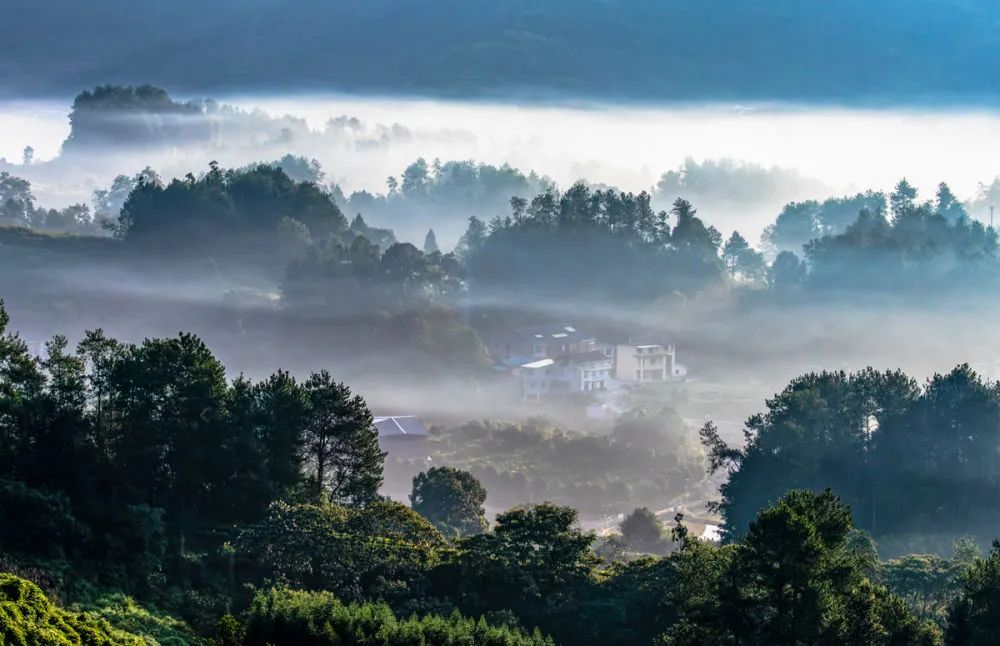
283, 616
123, 613
28, 617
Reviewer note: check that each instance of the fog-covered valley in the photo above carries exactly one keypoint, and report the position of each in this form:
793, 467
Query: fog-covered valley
296, 313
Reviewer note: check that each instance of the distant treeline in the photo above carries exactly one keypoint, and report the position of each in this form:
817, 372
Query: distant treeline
583, 241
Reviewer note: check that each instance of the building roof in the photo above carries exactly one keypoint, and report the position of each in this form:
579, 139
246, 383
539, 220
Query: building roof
542, 363
400, 426
551, 331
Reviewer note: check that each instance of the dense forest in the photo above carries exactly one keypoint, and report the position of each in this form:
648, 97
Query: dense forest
151, 498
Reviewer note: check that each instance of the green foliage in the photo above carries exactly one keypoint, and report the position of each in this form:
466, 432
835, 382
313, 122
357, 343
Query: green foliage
234, 207
131, 115
742, 260
647, 455
381, 238
28, 618
17, 202
157, 429
607, 236
451, 499
124, 613
282, 616
974, 619
534, 562
892, 449
338, 278
643, 532
929, 245
341, 442
381, 551
794, 579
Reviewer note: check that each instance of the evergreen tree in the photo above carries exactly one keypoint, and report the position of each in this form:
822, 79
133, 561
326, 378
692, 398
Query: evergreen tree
451, 499
341, 443
430, 243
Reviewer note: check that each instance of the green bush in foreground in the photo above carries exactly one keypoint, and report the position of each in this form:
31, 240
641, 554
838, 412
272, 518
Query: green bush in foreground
283, 616
151, 624
28, 618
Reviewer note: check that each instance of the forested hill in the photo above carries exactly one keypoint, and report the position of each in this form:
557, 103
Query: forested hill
890, 51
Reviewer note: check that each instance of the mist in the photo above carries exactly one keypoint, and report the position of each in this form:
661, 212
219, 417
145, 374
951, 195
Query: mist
758, 157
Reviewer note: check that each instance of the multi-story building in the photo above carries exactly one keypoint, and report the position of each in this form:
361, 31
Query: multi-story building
576, 372
646, 363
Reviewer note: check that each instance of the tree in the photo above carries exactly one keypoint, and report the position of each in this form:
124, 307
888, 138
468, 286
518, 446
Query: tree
225, 209
473, 239
794, 579
534, 563
451, 499
382, 551
341, 443
416, 178
903, 199
430, 243
285, 616
17, 203
948, 206
735, 247
279, 416
740, 258
293, 239
168, 399
786, 272
796, 225
643, 532
974, 618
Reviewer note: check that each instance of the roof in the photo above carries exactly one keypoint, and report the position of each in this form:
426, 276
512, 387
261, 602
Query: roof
400, 426
551, 331
543, 363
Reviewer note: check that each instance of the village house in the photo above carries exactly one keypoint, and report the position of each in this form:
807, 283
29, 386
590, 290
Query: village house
646, 363
577, 372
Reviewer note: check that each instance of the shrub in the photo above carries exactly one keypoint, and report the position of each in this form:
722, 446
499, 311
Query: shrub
283, 616
27, 617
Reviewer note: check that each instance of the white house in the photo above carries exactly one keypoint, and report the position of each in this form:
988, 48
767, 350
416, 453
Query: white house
571, 373
646, 363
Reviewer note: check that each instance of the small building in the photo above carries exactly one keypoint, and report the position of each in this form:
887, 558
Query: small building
575, 372
646, 363
402, 436
401, 427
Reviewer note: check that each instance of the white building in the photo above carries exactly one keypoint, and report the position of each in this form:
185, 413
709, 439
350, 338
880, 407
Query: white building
646, 363
572, 373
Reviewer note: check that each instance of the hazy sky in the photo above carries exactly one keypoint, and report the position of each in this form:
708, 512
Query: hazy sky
846, 149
